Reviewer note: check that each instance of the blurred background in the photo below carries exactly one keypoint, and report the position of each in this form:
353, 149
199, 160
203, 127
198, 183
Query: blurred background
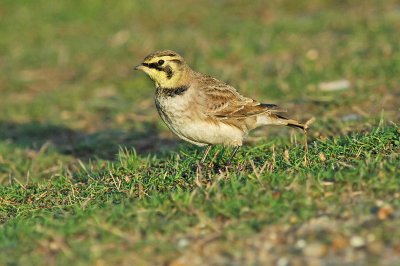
68, 89
89, 174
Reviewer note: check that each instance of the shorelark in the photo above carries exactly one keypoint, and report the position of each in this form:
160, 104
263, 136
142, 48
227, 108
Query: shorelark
203, 110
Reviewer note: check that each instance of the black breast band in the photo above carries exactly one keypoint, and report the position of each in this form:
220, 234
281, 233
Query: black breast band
172, 92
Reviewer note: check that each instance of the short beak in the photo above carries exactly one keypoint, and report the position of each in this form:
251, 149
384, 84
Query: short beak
138, 67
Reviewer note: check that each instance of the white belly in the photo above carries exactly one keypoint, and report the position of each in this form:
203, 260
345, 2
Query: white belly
202, 133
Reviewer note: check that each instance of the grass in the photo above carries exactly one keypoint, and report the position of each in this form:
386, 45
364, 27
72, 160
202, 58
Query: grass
90, 175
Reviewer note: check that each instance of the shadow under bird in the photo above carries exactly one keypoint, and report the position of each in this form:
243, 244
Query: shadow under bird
203, 110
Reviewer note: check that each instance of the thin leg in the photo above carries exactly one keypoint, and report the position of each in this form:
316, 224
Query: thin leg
232, 155
205, 153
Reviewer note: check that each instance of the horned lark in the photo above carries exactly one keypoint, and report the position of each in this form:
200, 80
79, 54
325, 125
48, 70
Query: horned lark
203, 110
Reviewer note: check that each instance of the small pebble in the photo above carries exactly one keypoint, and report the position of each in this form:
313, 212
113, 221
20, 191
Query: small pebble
301, 243
335, 85
357, 242
183, 242
282, 262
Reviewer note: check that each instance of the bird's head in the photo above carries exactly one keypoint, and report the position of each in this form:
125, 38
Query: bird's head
166, 68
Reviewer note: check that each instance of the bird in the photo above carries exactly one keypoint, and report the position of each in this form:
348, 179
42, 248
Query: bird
203, 110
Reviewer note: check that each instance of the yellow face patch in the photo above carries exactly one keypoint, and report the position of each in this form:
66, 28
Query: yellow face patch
165, 71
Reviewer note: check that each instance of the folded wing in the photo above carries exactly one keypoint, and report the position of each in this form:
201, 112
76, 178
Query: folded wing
223, 102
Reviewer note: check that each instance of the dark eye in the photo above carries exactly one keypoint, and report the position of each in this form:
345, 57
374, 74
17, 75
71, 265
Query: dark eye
160, 62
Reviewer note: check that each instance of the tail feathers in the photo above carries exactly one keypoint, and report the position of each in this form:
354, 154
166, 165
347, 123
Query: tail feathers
277, 119
291, 123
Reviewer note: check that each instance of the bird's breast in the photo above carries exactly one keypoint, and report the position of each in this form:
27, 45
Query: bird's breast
172, 102
173, 106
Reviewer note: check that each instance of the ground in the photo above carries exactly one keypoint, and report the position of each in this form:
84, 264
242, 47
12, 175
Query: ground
90, 175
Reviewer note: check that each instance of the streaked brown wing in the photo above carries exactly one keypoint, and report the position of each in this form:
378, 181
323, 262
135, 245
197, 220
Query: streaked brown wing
223, 101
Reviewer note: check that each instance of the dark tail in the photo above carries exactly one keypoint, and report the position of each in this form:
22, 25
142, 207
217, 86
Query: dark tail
291, 123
